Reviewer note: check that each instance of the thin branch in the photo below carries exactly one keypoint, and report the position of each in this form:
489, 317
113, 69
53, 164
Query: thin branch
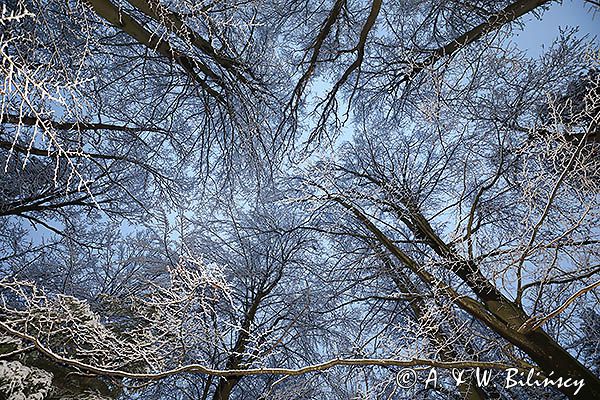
201, 369
536, 322
495, 22
76, 126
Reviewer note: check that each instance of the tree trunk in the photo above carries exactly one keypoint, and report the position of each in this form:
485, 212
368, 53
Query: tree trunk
551, 357
497, 312
224, 388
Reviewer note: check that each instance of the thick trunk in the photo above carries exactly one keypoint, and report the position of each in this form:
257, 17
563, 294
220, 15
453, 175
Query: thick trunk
504, 318
495, 310
551, 357
224, 388
226, 384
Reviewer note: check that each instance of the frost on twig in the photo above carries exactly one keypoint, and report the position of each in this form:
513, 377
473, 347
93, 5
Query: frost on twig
19, 382
156, 335
36, 86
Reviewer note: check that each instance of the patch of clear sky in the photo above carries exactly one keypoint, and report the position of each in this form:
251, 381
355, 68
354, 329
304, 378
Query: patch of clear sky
539, 33
536, 34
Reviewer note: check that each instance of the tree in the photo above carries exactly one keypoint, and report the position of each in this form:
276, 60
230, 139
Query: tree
292, 200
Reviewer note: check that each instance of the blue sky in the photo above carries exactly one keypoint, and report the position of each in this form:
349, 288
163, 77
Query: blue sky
536, 33
569, 13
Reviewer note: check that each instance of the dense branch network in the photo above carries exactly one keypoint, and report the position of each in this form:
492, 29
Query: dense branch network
207, 199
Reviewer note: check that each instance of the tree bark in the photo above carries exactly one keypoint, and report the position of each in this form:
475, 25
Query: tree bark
495, 310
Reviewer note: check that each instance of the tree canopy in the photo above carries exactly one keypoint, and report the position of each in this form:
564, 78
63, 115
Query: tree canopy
286, 199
